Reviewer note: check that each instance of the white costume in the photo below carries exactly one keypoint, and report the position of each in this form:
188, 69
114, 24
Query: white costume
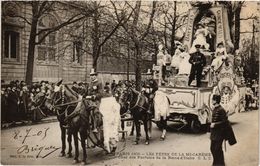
110, 110
160, 56
176, 59
161, 106
221, 54
200, 38
185, 66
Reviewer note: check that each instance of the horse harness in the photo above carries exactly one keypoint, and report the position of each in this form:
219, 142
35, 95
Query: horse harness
138, 100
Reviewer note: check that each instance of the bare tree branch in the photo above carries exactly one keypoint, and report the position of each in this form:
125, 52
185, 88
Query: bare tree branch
249, 18
150, 21
122, 21
48, 31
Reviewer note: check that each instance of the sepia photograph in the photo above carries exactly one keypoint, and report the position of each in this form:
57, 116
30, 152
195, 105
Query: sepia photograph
125, 82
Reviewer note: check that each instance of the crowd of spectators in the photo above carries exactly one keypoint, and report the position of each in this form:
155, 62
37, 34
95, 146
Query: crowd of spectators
18, 99
109, 87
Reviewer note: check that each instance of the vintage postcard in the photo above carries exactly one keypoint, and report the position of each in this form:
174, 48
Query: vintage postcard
130, 83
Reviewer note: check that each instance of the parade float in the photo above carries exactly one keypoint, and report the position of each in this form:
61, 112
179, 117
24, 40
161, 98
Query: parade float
207, 25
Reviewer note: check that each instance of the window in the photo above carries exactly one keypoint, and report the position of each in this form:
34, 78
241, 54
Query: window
77, 52
11, 45
47, 48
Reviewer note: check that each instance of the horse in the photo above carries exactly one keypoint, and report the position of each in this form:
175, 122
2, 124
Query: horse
73, 116
124, 107
138, 106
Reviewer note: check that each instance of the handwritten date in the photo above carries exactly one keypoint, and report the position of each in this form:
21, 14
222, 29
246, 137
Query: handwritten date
29, 133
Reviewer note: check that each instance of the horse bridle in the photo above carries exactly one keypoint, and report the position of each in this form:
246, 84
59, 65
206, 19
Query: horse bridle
131, 98
53, 104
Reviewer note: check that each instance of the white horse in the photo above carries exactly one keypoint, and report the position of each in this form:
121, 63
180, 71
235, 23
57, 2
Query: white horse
161, 111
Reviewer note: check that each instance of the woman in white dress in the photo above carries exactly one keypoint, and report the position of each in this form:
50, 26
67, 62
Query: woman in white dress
185, 66
200, 38
220, 55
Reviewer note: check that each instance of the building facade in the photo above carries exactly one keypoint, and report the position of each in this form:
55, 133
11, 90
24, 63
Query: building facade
61, 55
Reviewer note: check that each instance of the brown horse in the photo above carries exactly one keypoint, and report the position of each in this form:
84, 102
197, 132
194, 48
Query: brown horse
138, 106
73, 115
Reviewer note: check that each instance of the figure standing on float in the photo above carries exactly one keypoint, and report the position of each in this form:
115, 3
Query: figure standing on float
198, 61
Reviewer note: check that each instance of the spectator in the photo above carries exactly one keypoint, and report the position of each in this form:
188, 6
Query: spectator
81, 89
75, 87
106, 88
4, 105
113, 85
24, 98
13, 102
249, 96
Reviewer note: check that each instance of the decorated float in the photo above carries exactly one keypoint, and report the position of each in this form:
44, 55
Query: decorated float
207, 26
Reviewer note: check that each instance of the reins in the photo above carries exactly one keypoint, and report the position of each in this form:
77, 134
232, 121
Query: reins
69, 103
138, 99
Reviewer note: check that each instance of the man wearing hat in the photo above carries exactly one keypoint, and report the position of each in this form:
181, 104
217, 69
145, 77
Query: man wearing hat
219, 118
95, 93
220, 130
13, 103
149, 89
197, 61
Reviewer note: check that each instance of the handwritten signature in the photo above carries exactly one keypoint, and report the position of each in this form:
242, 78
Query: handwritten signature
29, 133
41, 151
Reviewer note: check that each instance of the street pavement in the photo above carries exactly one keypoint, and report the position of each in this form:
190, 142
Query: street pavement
40, 145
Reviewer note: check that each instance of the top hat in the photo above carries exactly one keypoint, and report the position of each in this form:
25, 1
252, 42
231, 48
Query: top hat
149, 72
59, 83
197, 45
92, 72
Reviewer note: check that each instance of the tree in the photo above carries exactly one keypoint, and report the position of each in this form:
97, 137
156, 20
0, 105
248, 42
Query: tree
104, 27
137, 30
40, 9
234, 10
173, 21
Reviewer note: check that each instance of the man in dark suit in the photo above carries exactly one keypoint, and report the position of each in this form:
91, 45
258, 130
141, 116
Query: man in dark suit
218, 134
13, 103
95, 93
198, 61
